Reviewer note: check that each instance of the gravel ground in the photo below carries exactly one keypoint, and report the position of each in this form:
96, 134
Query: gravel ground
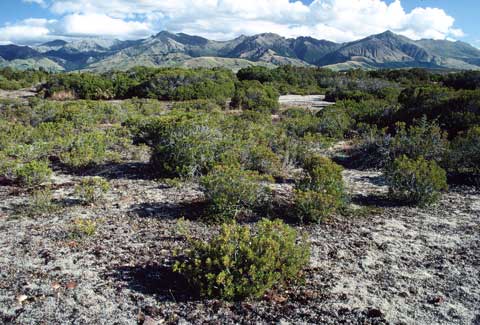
384, 265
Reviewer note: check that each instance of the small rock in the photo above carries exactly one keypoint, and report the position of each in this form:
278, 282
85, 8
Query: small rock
71, 285
21, 298
56, 285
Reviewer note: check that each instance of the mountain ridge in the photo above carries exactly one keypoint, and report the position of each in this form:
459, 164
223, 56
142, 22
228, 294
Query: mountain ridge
384, 50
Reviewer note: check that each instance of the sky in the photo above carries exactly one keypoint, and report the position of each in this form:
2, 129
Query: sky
34, 21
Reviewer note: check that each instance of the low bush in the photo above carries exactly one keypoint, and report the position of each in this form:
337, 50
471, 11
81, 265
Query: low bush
238, 263
86, 150
33, 173
84, 228
423, 139
91, 190
197, 105
41, 201
415, 181
334, 122
313, 207
322, 175
253, 95
320, 192
465, 152
231, 191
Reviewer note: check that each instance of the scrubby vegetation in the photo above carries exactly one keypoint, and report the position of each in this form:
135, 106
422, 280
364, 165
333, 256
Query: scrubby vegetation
416, 181
91, 190
228, 135
240, 263
320, 192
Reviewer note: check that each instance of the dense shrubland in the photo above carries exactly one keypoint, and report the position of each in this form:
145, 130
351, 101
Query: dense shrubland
11, 79
419, 127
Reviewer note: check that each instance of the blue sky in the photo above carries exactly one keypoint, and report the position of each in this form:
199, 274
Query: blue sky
28, 21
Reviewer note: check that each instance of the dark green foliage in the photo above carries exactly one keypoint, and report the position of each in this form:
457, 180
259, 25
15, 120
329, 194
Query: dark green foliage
455, 111
79, 86
463, 80
261, 74
415, 181
185, 84
252, 95
231, 192
11, 79
239, 263
372, 112
343, 94
334, 122
464, 156
203, 105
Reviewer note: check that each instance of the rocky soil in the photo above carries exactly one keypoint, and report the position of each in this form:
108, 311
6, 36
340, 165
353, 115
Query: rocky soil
312, 102
378, 264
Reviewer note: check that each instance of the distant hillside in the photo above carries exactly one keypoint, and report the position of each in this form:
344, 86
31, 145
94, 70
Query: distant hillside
385, 50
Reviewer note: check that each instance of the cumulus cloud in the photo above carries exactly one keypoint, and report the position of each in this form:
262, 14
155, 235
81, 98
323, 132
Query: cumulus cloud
336, 20
28, 30
102, 25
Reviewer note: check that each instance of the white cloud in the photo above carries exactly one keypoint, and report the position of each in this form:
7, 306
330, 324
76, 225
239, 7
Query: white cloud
336, 20
102, 25
26, 31
38, 2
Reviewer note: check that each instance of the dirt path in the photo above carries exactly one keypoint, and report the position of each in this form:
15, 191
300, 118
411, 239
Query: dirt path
18, 94
394, 264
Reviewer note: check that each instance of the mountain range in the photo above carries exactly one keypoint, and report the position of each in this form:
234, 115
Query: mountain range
385, 50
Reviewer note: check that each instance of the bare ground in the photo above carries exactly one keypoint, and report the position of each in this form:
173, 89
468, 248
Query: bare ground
388, 264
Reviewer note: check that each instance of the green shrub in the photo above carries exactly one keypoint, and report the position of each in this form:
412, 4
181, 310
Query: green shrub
254, 157
91, 190
197, 105
238, 264
416, 181
313, 207
41, 201
253, 95
320, 192
7, 166
334, 122
231, 191
322, 175
33, 173
184, 144
84, 227
86, 150
423, 139
465, 152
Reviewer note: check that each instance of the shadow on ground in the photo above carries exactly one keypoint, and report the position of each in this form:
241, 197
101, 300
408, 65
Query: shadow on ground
190, 210
154, 279
126, 170
381, 201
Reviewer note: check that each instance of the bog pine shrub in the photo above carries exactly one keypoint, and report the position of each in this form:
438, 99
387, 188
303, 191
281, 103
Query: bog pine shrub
416, 181
465, 152
239, 263
321, 191
33, 173
91, 190
231, 191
